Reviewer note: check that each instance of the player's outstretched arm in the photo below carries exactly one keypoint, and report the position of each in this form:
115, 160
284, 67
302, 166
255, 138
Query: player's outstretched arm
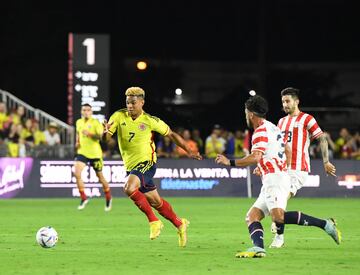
251, 159
328, 166
106, 133
179, 141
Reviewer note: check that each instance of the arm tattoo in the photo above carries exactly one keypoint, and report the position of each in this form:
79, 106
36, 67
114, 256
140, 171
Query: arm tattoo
324, 148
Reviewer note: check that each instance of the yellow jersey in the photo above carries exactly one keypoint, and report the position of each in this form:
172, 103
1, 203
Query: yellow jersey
39, 137
3, 118
135, 136
89, 147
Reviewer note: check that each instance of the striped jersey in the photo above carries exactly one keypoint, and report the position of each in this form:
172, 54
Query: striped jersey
268, 139
298, 131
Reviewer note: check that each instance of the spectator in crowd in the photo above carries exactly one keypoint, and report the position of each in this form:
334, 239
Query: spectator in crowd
213, 146
4, 121
190, 143
51, 134
239, 144
197, 138
214, 143
230, 143
165, 148
344, 144
15, 144
39, 136
18, 115
26, 133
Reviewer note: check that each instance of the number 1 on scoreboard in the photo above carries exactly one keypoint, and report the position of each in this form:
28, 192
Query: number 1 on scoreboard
89, 43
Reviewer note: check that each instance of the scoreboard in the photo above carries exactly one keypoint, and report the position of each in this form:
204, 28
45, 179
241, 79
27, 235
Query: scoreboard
88, 74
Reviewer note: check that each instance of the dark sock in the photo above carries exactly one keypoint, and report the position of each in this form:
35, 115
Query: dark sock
296, 217
280, 227
257, 234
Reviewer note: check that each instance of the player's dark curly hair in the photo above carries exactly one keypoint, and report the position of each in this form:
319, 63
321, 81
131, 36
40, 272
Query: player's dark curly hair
291, 91
258, 105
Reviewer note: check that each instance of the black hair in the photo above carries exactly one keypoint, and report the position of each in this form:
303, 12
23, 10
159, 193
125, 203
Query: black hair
258, 105
86, 105
291, 91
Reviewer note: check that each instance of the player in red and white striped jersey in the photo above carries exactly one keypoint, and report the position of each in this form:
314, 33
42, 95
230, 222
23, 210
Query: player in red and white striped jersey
268, 152
299, 130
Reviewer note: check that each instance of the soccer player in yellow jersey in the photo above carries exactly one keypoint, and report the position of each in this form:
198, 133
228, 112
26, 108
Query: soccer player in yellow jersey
88, 135
134, 130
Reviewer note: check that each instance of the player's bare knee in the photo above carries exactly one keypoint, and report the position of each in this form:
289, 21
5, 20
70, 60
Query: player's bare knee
277, 216
129, 189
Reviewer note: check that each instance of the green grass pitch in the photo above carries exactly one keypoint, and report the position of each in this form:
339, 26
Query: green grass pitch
95, 242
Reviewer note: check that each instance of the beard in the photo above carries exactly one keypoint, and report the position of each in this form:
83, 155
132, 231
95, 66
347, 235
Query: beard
289, 110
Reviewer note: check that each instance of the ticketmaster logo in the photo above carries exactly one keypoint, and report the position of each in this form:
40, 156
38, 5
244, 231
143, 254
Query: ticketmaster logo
176, 184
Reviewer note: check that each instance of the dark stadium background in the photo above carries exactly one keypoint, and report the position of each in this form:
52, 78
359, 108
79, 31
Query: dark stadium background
305, 44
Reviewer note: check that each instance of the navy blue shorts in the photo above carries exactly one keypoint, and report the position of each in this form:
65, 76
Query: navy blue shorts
145, 171
97, 164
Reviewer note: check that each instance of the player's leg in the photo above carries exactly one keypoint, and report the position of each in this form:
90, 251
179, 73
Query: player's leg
79, 165
297, 181
98, 166
253, 217
299, 218
164, 208
132, 190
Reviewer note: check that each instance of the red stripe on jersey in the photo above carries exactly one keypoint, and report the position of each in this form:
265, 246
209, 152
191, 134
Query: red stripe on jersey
279, 165
269, 167
287, 129
313, 129
295, 137
260, 139
262, 165
263, 129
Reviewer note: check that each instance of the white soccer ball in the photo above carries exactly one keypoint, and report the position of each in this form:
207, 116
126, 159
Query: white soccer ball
47, 237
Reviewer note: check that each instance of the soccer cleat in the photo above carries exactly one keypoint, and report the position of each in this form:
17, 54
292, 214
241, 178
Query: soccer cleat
182, 232
253, 252
155, 229
83, 203
108, 205
273, 228
332, 230
278, 241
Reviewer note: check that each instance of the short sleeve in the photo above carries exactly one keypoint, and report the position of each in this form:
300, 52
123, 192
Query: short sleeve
313, 128
159, 126
114, 121
259, 140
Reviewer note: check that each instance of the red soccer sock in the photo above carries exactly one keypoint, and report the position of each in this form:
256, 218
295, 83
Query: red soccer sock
142, 203
168, 213
107, 194
82, 195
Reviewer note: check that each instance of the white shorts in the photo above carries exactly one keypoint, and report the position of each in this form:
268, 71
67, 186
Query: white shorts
297, 180
274, 192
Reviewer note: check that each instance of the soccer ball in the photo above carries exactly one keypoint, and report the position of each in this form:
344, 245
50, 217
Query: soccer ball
47, 237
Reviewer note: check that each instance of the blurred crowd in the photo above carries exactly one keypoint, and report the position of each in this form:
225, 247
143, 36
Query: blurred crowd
344, 146
21, 136
220, 141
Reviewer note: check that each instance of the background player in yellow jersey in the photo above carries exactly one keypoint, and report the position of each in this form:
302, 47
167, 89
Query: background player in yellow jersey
88, 134
134, 130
